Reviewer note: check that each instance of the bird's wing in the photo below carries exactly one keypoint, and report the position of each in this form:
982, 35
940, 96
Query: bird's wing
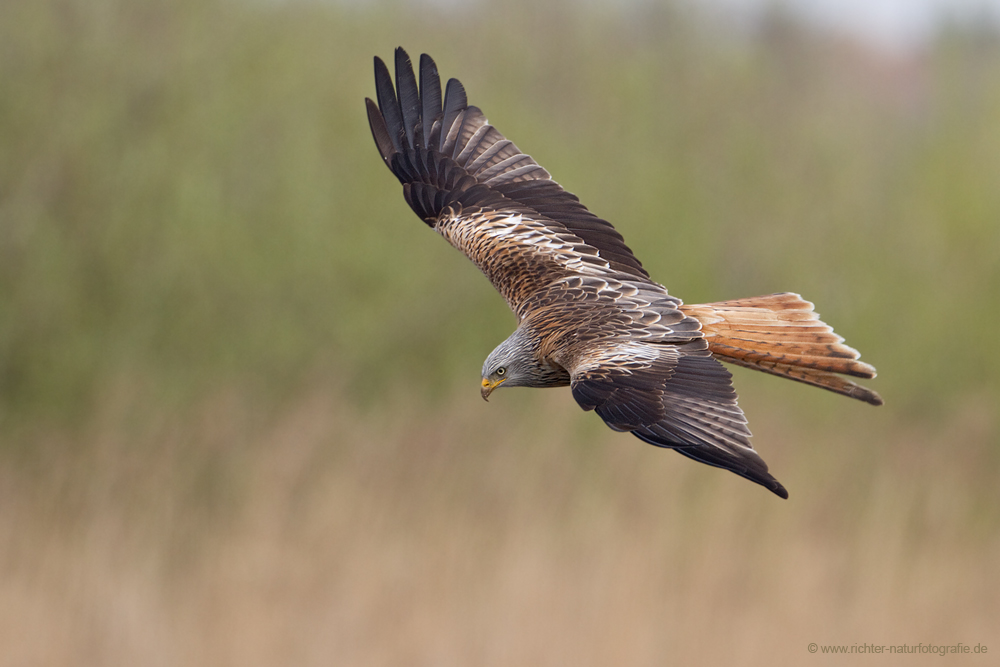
490, 200
675, 396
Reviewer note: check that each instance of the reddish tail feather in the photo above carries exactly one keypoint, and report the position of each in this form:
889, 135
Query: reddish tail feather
781, 334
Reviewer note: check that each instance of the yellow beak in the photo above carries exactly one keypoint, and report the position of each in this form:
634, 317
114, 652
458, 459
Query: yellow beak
489, 386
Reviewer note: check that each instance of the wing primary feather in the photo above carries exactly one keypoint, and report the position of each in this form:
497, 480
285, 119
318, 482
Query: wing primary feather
388, 104
430, 96
379, 131
409, 97
455, 103
717, 458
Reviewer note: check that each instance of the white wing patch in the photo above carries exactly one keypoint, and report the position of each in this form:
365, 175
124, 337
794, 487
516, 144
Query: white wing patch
625, 356
518, 254
508, 231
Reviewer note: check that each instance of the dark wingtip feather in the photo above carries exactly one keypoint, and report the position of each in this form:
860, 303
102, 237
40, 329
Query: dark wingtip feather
454, 103
749, 466
430, 96
388, 104
379, 132
409, 97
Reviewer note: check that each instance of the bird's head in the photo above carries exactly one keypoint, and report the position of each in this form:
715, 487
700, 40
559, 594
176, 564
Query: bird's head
507, 365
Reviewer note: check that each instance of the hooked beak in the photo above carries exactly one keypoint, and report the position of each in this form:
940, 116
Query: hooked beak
489, 386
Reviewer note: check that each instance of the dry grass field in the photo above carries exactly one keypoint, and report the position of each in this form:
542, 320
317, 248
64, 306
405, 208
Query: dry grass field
334, 537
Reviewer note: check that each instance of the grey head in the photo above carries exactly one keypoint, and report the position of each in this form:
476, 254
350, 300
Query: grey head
515, 363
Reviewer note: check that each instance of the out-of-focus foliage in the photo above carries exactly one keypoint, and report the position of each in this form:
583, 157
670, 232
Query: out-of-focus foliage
189, 193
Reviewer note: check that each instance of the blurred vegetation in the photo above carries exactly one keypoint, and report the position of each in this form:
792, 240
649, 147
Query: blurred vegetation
190, 198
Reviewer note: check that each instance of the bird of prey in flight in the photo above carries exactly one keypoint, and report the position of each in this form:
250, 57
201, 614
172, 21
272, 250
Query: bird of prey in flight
589, 316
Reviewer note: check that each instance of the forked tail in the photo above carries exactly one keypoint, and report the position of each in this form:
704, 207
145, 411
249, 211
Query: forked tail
782, 335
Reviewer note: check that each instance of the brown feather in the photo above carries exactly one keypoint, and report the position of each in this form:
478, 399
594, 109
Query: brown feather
781, 334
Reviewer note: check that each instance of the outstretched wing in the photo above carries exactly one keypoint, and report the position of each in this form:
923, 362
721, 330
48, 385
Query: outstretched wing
476, 188
675, 396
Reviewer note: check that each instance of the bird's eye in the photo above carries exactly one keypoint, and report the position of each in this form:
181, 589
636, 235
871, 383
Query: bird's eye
501, 371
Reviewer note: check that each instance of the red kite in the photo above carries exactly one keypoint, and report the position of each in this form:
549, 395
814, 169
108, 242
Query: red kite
589, 316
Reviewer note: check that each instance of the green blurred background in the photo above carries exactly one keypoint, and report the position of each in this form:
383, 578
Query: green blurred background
239, 409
